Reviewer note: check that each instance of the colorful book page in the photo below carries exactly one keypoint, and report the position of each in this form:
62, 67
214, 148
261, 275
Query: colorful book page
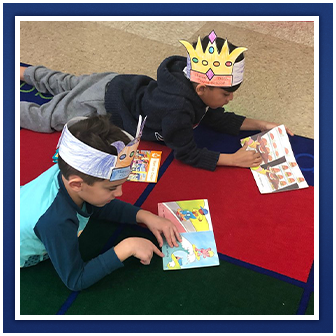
145, 167
188, 216
198, 248
279, 170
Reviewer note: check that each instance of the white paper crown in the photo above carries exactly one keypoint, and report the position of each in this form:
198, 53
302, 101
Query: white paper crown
212, 67
94, 162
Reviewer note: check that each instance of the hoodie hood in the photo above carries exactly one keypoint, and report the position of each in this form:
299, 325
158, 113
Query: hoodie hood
171, 78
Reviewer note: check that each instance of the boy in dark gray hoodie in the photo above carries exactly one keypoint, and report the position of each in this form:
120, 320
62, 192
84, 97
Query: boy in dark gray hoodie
182, 96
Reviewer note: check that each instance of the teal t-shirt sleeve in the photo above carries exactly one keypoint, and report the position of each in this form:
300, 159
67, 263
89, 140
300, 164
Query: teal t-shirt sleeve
117, 211
58, 232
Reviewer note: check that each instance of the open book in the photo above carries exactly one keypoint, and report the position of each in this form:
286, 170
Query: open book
193, 221
279, 170
145, 166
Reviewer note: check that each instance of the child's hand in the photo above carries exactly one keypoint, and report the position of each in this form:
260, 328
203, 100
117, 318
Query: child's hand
159, 225
140, 248
246, 158
266, 126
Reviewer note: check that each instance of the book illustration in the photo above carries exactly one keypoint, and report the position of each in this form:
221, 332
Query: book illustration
193, 221
145, 166
188, 216
279, 170
197, 249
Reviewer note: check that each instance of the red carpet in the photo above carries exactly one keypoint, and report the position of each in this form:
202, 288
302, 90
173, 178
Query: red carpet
274, 231
280, 240
36, 152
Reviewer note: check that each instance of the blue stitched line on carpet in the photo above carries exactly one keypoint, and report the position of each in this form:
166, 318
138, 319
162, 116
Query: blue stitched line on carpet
69, 301
151, 186
308, 286
308, 290
261, 270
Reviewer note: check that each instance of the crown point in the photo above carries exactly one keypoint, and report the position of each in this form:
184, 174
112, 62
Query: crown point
212, 36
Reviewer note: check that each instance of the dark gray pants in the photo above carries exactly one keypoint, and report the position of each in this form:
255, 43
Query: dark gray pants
73, 96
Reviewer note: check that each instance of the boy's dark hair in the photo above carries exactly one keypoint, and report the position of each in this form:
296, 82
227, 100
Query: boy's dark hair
97, 132
220, 42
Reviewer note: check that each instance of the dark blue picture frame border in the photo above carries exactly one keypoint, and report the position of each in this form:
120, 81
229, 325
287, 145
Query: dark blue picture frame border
325, 13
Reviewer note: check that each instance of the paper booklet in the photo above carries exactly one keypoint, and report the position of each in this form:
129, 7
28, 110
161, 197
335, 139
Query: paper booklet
279, 170
145, 167
193, 221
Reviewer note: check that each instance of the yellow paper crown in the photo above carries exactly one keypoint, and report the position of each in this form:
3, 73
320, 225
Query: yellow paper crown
212, 67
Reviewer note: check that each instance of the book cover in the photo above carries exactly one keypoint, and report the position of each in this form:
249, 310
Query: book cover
193, 221
145, 166
279, 170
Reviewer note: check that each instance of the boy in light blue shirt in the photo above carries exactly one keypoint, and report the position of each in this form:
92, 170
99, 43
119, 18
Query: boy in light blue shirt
94, 159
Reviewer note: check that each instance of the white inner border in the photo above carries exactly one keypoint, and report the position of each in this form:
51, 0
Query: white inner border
315, 19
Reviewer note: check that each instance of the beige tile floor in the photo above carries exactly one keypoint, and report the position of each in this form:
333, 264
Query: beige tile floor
279, 75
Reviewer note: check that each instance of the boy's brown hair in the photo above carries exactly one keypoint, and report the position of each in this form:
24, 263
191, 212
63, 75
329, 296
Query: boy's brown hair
97, 132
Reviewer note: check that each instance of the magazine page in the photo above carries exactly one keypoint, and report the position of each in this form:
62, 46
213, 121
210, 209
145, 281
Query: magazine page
279, 170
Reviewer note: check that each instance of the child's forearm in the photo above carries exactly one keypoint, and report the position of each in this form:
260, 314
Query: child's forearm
144, 216
260, 125
252, 124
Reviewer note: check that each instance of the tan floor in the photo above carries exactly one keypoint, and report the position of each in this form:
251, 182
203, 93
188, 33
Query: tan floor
279, 75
